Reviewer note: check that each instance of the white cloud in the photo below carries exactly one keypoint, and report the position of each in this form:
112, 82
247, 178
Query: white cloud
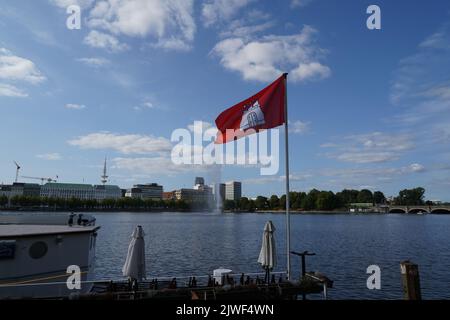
300, 3
416, 167
171, 22
66, 3
296, 177
155, 165
266, 58
370, 148
125, 143
366, 157
437, 40
378, 172
299, 127
102, 40
94, 62
146, 105
214, 11
50, 156
75, 106
313, 70
14, 68
420, 90
7, 90
238, 29
172, 44
419, 75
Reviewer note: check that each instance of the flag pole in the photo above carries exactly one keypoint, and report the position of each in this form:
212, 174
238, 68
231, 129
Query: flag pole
286, 148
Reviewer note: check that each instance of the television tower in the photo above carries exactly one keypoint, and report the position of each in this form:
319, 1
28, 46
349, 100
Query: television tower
104, 176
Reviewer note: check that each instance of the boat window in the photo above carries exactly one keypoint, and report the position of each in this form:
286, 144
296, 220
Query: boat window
38, 250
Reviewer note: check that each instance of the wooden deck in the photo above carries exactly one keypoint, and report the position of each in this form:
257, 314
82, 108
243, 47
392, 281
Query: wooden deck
167, 290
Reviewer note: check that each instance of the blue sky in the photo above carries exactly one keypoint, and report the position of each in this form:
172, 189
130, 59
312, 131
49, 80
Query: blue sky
368, 108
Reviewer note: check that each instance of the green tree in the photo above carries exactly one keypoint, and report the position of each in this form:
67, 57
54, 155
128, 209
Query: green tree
410, 197
251, 205
229, 205
365, 196
3, 200
283, 202
297, 204
309, 202
243, 203
379, 198
325, 201
347, 196
274, 202
261, 202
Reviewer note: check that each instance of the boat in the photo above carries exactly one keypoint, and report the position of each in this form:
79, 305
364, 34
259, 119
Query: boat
36, 251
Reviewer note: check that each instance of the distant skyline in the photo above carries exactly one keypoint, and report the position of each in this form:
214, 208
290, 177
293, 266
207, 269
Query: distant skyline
367, 108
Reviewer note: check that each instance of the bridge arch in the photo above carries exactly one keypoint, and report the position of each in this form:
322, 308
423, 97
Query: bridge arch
397, 210
441, 211
418, 210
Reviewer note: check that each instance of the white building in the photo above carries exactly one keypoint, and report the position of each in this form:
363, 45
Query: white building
233, 190
80, 191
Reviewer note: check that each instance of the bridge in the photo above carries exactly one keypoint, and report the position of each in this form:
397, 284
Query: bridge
442, 209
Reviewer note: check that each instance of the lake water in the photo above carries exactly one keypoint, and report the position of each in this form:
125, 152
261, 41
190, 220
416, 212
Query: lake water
184, 244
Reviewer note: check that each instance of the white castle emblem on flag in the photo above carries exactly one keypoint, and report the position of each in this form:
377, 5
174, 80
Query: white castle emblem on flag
252, 117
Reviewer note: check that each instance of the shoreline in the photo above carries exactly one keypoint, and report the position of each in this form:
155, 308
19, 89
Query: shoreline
166, 210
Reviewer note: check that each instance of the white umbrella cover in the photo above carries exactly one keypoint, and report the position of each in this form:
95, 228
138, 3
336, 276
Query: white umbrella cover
267, 256
134, 266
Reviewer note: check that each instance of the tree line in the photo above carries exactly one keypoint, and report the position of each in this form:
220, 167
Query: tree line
107, 204
325, 200
313, 200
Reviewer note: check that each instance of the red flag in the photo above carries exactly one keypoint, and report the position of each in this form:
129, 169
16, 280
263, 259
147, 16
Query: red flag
264, 110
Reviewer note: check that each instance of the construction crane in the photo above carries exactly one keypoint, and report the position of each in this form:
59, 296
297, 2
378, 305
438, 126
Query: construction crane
42, 179
17, 171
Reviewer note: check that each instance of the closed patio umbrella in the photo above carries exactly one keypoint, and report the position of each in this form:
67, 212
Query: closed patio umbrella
267, 256
134, 266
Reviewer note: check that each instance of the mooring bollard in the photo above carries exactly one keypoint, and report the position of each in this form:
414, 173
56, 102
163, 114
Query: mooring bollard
410, 280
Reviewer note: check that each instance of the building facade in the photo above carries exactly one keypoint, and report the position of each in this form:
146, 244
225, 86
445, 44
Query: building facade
80, 191
233, 190
146, 191
194, 195
199, 181
103, 192
5, 190
169, 195
25, 189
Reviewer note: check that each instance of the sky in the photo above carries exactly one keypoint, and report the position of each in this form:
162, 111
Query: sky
367, 108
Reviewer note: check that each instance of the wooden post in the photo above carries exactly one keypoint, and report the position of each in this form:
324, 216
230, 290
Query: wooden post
410, 280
